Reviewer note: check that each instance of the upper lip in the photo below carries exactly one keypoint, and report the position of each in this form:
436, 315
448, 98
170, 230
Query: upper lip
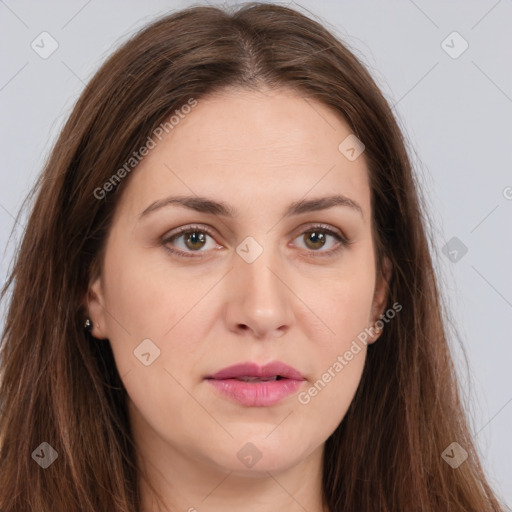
250, 369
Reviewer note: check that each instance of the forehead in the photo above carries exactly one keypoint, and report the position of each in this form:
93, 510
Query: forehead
279, 124
252, 148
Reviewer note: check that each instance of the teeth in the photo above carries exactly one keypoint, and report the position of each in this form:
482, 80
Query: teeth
256, 379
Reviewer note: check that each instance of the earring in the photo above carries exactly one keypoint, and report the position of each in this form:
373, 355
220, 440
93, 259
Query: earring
88, 325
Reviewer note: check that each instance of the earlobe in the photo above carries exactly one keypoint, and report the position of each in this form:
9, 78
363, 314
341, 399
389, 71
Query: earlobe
94, 309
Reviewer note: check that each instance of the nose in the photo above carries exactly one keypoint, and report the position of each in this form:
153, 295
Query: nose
259, 303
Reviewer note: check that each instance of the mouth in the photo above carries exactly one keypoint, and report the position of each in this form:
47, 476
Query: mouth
276, 370
258, 379
252, 385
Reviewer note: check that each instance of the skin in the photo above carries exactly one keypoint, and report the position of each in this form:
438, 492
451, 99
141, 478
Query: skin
258, 152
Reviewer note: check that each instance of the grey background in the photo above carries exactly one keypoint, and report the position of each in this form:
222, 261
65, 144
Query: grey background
455, 112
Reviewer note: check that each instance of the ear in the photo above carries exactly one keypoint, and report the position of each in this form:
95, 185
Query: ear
95, 310
380, 295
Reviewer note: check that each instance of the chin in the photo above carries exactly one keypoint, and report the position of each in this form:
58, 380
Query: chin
256, 456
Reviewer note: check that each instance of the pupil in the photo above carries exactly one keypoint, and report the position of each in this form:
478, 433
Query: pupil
316, 237
196, 237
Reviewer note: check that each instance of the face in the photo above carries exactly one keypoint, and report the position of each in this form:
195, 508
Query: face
262, 285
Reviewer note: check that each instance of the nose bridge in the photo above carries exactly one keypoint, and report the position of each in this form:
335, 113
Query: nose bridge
257, 266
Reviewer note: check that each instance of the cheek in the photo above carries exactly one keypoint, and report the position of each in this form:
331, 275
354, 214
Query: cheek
339, 357
340, 351
147, 299
140, 290
150, 313
343, 304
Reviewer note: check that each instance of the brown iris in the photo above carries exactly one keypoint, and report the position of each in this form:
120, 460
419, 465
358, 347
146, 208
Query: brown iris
317, 237
196, 237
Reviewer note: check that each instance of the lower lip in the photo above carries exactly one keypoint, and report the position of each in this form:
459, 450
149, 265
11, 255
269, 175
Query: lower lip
256, 394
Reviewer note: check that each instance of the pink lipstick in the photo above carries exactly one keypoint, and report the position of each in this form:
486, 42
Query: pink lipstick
257, 386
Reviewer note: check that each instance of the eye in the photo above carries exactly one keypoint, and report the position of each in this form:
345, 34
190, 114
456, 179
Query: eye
195, 240
316, 238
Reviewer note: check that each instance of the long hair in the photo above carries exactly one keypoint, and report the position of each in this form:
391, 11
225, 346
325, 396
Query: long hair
59, 386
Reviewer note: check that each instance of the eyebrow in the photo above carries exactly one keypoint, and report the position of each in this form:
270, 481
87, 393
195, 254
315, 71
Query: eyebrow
219, 208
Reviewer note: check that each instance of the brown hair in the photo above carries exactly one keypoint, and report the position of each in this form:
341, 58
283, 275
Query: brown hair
60, 386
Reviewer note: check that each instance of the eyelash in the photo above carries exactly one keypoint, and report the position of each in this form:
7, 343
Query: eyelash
343, 242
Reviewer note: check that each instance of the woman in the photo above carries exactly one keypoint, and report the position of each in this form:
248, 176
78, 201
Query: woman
224, 296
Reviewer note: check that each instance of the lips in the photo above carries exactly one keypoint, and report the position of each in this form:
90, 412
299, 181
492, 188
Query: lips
257, 386
274, 370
